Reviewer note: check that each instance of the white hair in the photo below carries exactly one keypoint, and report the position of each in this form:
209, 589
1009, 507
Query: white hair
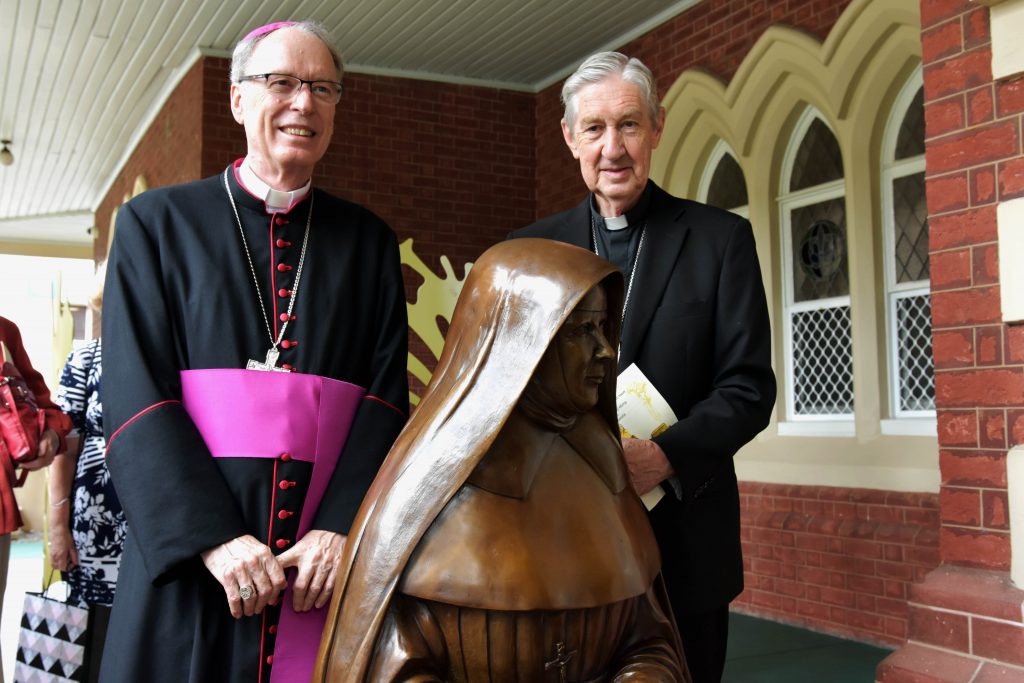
243, 50
602, 65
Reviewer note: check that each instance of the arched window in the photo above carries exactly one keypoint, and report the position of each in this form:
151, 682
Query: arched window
816, 279
905, 222
722, 183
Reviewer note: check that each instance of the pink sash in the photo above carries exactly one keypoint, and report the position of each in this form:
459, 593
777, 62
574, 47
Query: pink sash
253, 414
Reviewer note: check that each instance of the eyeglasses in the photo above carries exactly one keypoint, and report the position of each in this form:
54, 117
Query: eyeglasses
283, 85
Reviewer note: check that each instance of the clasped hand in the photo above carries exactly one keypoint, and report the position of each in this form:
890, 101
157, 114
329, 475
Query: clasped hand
647, 463
245, 562
48, 444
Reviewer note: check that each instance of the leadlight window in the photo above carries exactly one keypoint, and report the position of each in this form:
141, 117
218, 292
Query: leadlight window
728, 189
910, 223
908, 309
910, 141
818, 159
819, 333
820, 268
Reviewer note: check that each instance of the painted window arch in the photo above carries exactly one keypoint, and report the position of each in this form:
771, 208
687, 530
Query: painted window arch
723, 183
905, 222
816, 280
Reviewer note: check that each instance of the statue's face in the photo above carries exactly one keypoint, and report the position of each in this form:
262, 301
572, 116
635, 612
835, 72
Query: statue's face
578, 360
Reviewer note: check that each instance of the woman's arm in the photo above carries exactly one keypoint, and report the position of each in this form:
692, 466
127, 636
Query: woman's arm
63, 554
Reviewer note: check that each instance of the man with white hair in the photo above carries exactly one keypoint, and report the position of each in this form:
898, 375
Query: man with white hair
252, 322
695, 322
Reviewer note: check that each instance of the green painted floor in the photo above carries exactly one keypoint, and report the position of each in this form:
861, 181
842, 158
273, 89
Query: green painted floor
762, 651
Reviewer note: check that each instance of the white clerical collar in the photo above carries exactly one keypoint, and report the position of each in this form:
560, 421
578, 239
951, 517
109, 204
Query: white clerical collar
276, 201
616, 222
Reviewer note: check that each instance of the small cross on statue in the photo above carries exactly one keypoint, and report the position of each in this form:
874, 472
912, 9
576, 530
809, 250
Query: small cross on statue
561, 659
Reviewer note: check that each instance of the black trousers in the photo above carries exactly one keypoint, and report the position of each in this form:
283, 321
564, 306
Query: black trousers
705, 636
99, 618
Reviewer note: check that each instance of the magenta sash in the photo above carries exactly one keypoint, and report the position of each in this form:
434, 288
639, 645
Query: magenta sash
253, 414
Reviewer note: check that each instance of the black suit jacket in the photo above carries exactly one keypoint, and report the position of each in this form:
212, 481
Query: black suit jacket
697, 325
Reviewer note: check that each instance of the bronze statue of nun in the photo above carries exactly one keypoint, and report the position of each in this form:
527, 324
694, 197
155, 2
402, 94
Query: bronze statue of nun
501, 539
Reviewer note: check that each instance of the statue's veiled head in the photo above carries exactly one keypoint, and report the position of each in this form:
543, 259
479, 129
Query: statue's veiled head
568, 379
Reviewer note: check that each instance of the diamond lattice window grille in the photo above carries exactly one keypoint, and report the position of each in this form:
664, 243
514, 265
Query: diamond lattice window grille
728, 189
910, 216
914, 350
823, 362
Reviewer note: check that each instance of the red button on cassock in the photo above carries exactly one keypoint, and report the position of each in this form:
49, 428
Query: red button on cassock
283, 267
282, 244
284, 485
284, 293
284, 514
287, 367
272, 629
289, 343
284, 317
286, 457
281, 542
270, 659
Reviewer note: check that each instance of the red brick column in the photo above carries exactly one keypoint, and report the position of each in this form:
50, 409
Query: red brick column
966, 620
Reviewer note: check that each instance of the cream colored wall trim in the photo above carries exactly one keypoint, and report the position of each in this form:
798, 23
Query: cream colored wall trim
1015, 494
887, 463
853, 79
1007, 23
46, 249
1010, 218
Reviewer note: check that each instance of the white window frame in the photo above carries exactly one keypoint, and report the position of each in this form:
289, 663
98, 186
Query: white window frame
908, 422
805, 425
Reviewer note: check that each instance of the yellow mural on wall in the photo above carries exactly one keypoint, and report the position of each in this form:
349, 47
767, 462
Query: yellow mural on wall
435, 298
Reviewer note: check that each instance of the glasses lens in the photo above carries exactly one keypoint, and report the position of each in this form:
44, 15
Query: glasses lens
285, 86
281, 84
328, 91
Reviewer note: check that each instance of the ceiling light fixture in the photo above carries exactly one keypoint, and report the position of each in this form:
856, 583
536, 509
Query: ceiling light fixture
6, 157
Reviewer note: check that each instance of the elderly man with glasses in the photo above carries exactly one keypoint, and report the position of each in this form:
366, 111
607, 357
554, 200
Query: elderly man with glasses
255, 328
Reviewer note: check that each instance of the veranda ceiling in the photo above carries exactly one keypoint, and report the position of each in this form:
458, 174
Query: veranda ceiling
80, 80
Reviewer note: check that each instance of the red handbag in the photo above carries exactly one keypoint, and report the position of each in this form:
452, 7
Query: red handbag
21, 421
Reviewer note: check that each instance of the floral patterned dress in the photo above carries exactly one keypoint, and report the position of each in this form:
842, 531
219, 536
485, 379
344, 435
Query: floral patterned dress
97, 522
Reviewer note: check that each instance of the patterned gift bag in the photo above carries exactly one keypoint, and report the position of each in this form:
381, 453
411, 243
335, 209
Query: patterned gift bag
52, 641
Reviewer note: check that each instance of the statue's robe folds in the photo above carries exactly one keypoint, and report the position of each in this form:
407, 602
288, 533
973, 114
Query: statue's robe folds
501, 540
516, 579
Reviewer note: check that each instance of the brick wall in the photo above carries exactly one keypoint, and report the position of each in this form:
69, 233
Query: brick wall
974, 160
451, 166
836, 559
965, 617
714, 36
168, 153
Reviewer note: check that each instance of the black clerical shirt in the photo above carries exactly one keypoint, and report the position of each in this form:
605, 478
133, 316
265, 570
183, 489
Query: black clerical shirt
621, 246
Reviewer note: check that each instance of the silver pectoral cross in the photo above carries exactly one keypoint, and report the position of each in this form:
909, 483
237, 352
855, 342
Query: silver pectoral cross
270, 365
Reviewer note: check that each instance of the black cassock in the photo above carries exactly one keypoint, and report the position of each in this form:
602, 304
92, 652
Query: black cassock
180, 296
